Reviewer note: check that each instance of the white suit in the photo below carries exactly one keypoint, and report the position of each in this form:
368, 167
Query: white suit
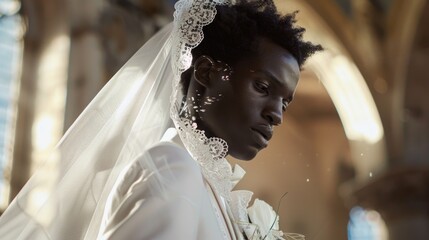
184, 206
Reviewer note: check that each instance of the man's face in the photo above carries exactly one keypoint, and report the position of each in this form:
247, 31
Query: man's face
244, 107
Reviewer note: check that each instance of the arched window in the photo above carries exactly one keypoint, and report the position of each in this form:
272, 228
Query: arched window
10, 60
366, 225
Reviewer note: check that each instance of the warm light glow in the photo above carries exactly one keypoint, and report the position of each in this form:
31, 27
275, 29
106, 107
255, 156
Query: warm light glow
47, 128
44, 132
50, 99
351, 97
39, 197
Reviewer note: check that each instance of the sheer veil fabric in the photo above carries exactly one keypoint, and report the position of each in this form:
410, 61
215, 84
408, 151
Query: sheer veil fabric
128, 116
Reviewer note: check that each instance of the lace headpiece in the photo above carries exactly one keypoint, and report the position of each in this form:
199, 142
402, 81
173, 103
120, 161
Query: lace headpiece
189, 19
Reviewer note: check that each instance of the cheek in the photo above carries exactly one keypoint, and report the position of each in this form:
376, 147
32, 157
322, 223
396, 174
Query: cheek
210, 102
216, 105
232, 104
249, 105
219, 97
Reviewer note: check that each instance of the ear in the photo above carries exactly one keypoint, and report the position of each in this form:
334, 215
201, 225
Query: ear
202, 68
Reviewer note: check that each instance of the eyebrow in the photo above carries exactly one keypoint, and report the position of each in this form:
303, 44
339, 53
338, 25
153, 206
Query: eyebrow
274, 79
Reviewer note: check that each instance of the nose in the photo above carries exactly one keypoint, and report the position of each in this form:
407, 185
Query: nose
274, 114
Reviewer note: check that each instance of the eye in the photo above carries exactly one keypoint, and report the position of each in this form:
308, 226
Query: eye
261, 87
285, 105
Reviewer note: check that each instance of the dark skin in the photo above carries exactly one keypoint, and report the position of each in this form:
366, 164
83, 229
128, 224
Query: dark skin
244, 105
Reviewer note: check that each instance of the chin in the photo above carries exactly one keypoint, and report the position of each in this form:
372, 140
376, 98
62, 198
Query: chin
245, 154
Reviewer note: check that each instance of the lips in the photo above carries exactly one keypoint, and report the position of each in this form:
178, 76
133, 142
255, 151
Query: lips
264, 130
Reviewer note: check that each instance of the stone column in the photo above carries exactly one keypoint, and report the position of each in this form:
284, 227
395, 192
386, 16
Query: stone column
104, 35
40, 104
86, 70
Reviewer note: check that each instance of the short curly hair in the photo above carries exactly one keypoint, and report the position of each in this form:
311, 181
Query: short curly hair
234, 34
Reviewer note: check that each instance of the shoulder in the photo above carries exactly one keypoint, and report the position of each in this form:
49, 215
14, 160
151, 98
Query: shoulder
168, 149
167, 154
160, 168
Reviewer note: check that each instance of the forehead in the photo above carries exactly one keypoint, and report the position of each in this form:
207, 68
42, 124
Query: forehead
274, 60
270, 53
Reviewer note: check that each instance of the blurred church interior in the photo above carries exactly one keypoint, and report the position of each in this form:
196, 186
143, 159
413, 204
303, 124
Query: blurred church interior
352, 154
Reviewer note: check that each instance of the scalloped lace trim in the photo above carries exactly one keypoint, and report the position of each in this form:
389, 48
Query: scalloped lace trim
210, 154
189, 18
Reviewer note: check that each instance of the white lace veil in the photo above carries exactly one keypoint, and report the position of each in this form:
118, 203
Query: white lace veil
129, 115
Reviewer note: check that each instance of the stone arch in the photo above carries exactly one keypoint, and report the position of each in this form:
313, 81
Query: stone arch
348, 91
